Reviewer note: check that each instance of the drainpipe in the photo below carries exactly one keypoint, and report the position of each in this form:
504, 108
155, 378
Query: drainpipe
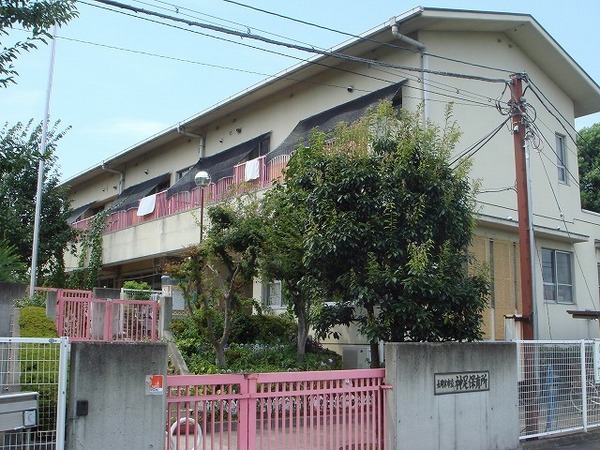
121, 176
200, 137
424, 67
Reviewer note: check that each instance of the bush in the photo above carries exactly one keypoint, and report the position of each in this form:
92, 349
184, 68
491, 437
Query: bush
34, 323
259, 343
39, 364
37, 299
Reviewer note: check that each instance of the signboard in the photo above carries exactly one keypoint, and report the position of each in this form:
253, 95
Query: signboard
461, 382
154, 384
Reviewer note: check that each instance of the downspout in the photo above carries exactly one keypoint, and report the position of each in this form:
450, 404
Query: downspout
121, 176
424, 67
200, 137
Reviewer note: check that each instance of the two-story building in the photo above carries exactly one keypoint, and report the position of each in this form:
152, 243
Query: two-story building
425, 56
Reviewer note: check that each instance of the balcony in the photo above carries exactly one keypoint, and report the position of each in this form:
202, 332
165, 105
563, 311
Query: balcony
247, 176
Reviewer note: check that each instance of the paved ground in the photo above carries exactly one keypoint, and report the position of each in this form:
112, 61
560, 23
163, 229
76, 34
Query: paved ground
577, 441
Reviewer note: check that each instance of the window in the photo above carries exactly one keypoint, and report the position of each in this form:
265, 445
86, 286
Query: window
557, 276
561, 158
180, 173
272, 296
262, 149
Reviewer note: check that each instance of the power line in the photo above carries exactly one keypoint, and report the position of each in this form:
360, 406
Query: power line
449, 88
215, 66
322, 27
290, 56
337, 55
475, 147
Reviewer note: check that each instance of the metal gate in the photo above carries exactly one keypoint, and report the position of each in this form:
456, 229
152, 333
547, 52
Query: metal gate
34, 365
341, 409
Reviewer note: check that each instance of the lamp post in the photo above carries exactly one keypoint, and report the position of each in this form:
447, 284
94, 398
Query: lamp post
202, 179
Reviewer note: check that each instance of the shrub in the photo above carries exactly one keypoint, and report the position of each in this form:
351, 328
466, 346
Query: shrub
33, 322
259, 343
39, 364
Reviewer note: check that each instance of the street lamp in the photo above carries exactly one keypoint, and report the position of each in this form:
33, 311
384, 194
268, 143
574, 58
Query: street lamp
202, 179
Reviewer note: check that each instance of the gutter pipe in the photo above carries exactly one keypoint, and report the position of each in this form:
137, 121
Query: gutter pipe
200, 137
424, 67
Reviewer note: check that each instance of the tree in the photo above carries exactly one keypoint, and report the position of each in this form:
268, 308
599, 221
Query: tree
218, 270
19, 157
11, 268
388, 228
282, 257
34, 16
588, 144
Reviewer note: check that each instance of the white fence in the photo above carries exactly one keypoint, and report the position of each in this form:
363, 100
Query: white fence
36, 365
559, 386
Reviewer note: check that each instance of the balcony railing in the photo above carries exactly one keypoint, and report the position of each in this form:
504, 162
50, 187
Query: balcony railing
243, 180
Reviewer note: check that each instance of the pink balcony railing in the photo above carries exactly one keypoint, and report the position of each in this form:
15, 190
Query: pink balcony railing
184, 201
84, 318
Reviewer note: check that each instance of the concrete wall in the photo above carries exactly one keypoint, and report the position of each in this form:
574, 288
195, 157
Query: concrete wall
123, 412
9, 292
420, 418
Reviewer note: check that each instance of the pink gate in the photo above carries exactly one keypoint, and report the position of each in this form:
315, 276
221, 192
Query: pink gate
84, 318
333, 410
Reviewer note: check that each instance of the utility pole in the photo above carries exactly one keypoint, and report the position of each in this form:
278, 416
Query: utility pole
517, 107
519, 125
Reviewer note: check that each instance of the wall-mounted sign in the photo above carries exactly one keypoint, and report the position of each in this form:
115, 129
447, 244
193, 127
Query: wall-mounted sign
459, 382
154, 384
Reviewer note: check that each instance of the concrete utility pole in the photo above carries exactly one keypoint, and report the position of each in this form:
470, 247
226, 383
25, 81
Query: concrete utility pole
41, 169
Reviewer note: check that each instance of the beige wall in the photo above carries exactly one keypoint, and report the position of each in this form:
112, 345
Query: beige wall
556, 206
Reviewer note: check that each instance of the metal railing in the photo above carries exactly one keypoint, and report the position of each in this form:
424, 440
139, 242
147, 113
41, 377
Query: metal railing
84, 318
185, 201
36, 365
559, 387
289, 410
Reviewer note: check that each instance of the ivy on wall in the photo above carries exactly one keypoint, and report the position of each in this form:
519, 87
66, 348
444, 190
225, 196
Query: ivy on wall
89, 262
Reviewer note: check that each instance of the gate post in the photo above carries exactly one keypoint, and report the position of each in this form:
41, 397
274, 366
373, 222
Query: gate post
247, 413
60, 312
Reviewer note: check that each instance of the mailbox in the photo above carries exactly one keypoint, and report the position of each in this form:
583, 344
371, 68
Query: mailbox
18, 411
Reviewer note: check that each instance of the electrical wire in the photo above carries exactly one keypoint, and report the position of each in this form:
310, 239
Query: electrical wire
470, 151
322, 27
337, 55
283, 54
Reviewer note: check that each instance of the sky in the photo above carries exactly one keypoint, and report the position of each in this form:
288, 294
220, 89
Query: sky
118, 80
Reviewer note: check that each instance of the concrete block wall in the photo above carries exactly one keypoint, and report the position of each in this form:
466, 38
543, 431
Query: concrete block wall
112, 403
427, 410
9, 292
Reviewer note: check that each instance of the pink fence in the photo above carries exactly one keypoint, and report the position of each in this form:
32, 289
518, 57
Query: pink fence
184, 201
290, 410
84, 318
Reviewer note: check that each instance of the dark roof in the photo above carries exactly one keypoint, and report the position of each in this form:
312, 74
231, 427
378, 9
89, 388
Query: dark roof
325, 121
78, 212
130, 197
218, 166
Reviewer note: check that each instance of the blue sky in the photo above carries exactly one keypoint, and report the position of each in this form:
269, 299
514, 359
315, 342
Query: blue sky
114, 99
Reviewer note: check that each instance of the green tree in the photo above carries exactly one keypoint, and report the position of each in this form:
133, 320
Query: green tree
388, 228
19, 147
282, 257
11, 267
219, 270
35, 17
588, 144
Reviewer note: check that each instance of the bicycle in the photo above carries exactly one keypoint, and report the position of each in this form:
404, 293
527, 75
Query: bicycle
592, 396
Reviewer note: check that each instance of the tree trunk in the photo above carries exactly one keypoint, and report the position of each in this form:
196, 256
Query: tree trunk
375, 361
220, 352
302, 334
